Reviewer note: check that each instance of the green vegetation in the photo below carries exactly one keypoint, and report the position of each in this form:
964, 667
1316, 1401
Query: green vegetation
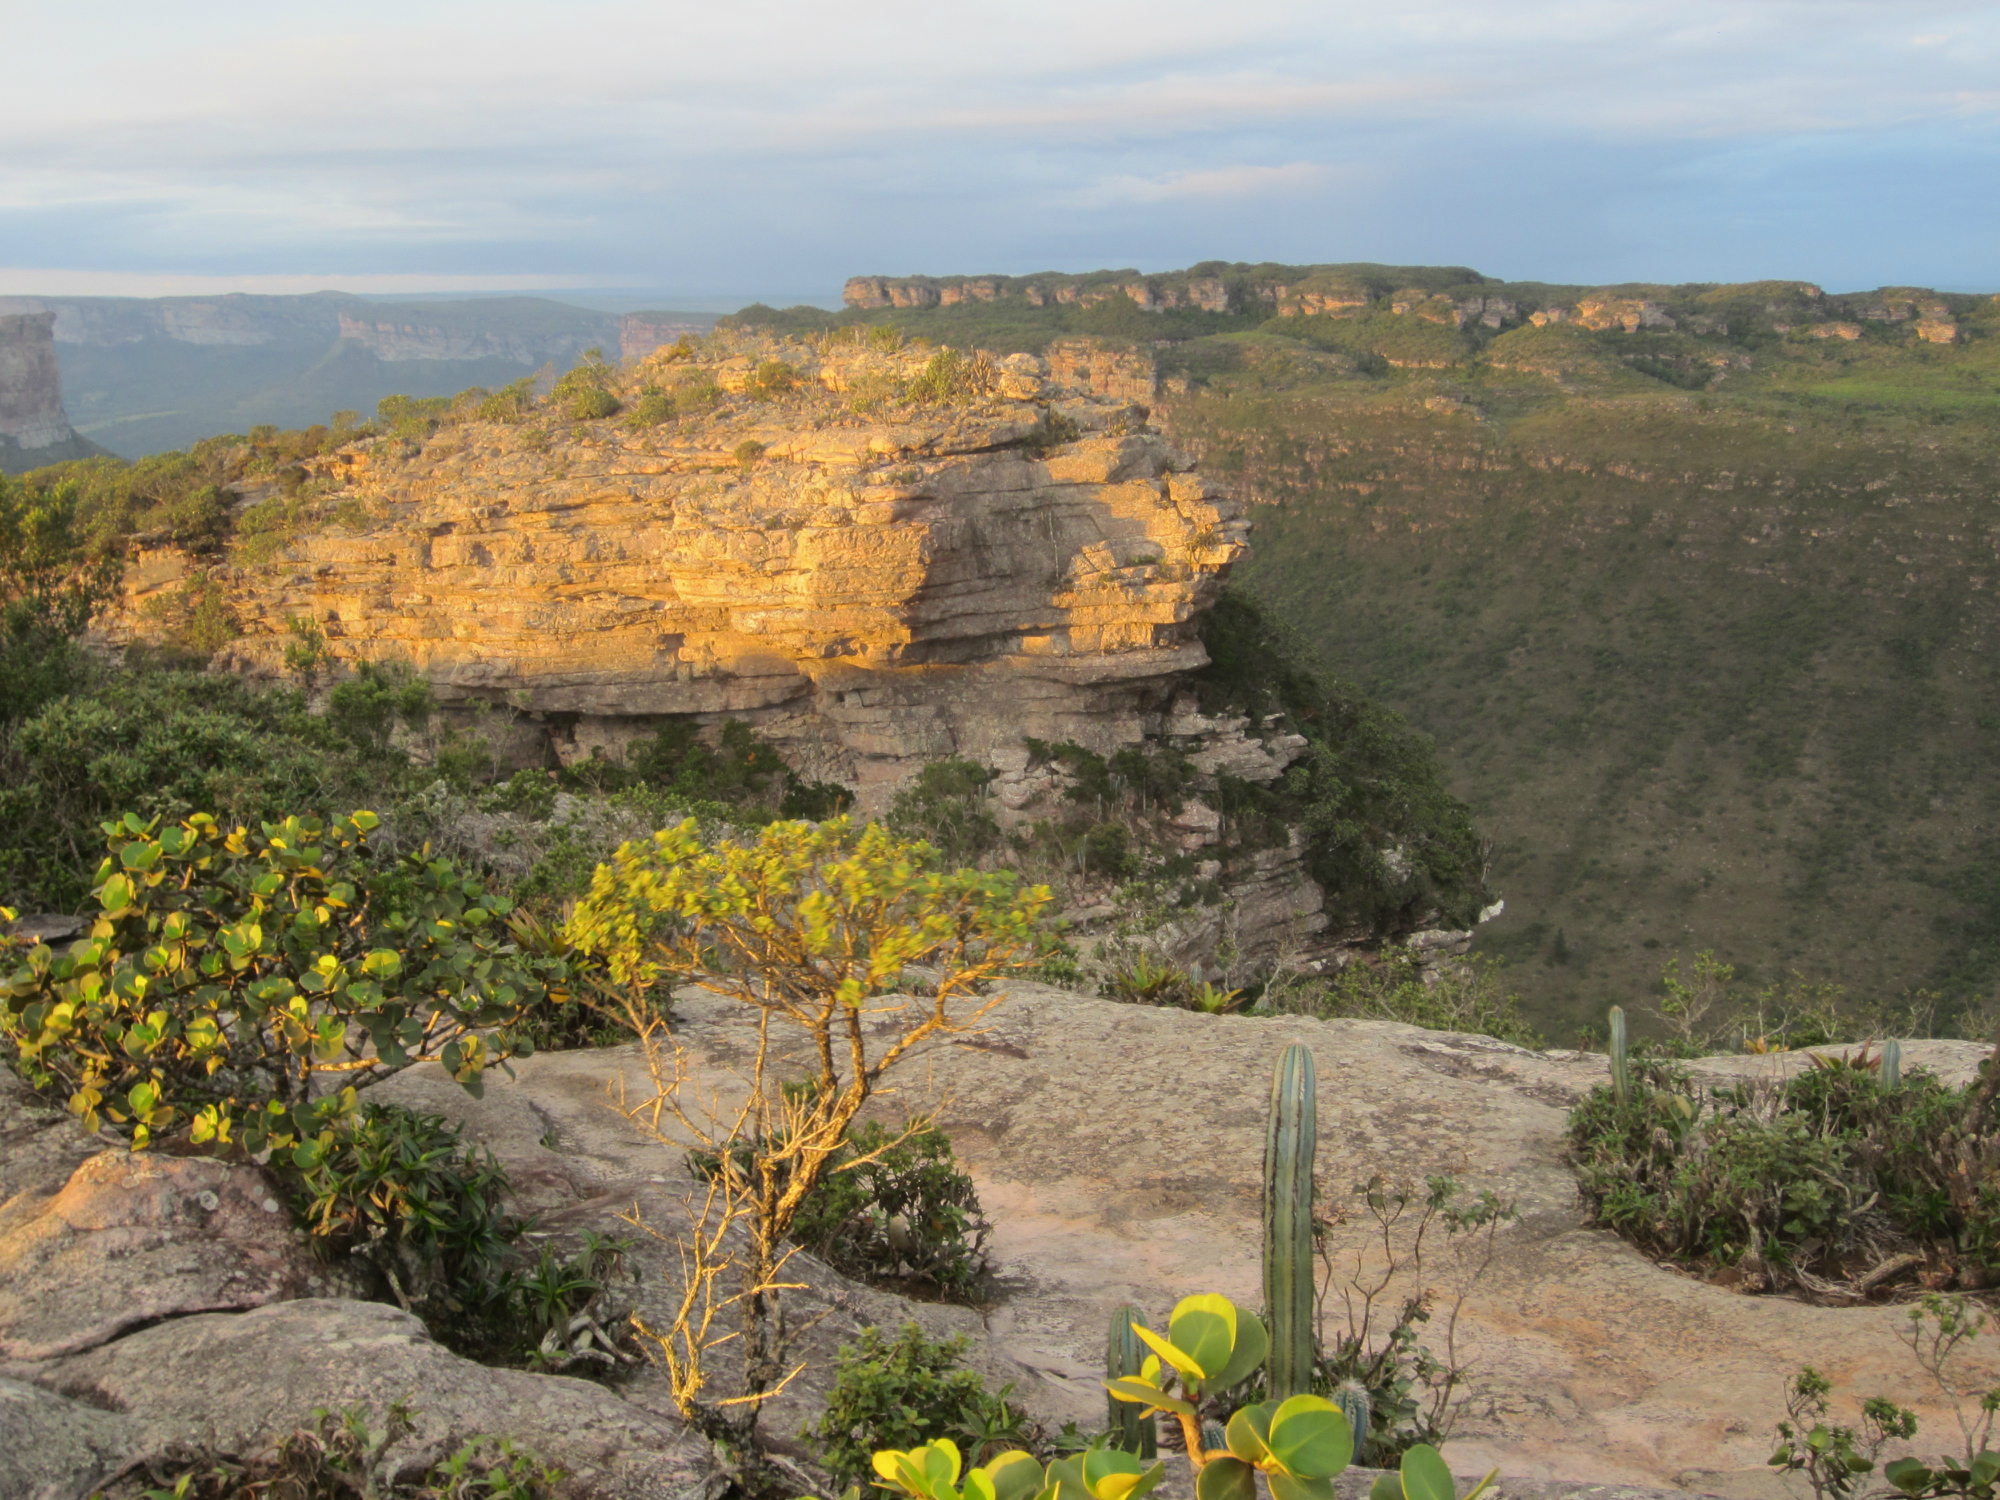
1696, 614
1837, 1459
1841, 1182
340, 1456
895, 1207
902, 1393
242, 985
808, 927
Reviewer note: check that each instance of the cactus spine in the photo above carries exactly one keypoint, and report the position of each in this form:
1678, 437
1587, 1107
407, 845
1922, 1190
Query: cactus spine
1621, 1061
1892, 1067
1123, 1355
1288, 1206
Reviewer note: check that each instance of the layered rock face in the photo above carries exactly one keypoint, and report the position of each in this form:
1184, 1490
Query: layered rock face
870, 591
34, 429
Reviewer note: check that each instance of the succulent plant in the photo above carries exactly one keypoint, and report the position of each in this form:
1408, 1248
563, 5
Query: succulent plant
1891, 1075
1124, 1355
1289, 1141
932, 1473
1621, 1059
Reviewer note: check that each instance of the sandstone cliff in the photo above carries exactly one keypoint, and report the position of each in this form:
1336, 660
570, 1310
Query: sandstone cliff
877, 557
871, 590
34, 428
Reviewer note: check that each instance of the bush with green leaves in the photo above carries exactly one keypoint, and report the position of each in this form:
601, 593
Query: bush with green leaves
945, 806
53, 580
1469, 996
903, 1392
342, 1457
1832, 1182
398, 1192
240, 986
901, 1211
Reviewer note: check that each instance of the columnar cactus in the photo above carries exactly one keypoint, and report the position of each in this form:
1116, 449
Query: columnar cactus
1891, 1075
1621, 1061
1131, 1430
1288, 1205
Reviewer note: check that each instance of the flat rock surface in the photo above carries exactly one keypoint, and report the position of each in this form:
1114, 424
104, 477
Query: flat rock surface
1118, 1153
238, 1380
53, 1447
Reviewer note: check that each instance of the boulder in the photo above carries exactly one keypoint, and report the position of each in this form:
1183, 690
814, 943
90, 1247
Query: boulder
95, 1242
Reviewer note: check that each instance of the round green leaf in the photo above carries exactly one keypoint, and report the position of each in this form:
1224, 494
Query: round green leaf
1310, 1437
1249, 1432
1426, 1476
1204, 1328
1388, 1485
1291, 1487
1226, 1478
1252, 1344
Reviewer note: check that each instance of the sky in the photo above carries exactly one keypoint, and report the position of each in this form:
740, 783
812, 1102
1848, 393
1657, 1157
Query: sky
772, 148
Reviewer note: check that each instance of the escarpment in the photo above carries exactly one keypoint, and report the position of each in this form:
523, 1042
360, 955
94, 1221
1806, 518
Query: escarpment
877, 557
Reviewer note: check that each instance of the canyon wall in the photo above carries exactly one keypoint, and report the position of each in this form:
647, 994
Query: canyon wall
872, 583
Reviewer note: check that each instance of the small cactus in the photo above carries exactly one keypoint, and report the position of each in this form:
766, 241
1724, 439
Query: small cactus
1124, 1355
1288, 1204
1352, 1399
1621, 1059
1891, 1076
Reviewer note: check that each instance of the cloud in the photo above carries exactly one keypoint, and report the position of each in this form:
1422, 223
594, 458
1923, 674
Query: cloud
690, 143
1214, 182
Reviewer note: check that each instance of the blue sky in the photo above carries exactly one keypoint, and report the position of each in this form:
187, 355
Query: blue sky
772, 148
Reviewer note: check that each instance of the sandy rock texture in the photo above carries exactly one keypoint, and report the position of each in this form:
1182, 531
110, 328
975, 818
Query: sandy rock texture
1118, 1149
871, 582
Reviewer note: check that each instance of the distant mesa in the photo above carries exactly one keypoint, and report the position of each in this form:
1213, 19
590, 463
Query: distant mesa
34, 428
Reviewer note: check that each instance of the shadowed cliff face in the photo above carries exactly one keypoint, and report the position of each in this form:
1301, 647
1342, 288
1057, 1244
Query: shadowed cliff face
873, 582
34, 429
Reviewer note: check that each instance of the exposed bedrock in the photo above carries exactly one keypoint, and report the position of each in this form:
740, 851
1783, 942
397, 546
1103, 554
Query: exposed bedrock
871, 594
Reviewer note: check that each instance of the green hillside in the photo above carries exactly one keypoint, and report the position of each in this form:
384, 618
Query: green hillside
1701, 614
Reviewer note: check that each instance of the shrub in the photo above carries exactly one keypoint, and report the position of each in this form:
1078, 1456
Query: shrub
338, 1457
746, 454
510, 403
771, 378
902, 1392
52, 582
946, 807
953, 378
809, 927
653, 407
399, 1192
196, 618
1829, 1183
590, 405
367, 707
902, 1210
163, 744
1466, 996
240, 986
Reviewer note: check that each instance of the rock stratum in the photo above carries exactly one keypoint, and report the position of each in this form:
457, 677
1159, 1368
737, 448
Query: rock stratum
870, 591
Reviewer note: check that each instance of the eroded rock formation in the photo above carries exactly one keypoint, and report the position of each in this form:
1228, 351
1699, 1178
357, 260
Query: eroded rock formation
34, 428
870, 591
